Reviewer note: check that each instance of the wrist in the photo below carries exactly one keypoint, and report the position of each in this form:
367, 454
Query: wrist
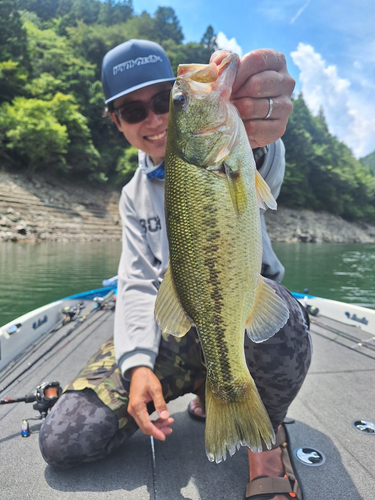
131, 371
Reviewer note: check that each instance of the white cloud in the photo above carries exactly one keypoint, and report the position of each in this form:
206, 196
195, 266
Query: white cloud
224, 43
349, 114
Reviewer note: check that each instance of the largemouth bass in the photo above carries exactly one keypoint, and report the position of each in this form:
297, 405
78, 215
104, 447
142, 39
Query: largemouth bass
212, 197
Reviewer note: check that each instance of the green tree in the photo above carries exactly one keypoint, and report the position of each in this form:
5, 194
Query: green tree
40, 134
208, 40
91, 42
369, 161
50, 53
321, 172
32, 135
13, 78
70, 12
13, 38
106, 137
167, 25
44, 9
44, 87
108, 12
299, 157
81, 155
112, 12
126, 166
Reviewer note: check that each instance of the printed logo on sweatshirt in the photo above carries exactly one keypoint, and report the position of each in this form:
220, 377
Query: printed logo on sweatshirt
152, 224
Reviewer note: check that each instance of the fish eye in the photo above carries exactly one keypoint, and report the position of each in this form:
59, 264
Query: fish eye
180, 100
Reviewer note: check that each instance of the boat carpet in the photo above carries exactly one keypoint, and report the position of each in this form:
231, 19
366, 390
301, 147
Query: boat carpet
339, 389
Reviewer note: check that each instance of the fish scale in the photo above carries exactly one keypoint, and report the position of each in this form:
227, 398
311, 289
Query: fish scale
212, 196
216, 227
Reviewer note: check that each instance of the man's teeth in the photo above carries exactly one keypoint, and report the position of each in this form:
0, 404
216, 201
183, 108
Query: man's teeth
156, 137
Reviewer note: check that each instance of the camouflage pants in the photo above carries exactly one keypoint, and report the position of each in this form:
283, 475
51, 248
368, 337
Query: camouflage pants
90, 419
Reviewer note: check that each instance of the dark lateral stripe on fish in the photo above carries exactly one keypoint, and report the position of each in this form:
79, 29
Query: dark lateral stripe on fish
218, 341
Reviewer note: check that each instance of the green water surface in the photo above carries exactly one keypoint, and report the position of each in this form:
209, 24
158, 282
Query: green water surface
32, 275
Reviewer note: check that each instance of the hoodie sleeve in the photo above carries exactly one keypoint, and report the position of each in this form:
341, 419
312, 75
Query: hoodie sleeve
272, 171
273, 168
136, 334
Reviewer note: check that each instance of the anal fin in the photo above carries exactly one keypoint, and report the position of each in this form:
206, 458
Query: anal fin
269, 314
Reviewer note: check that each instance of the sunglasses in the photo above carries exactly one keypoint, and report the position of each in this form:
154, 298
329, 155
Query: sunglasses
137, 111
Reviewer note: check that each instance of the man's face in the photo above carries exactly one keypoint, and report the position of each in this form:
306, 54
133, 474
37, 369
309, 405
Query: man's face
150, 134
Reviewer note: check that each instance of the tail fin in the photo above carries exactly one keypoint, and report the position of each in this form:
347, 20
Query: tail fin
230, 425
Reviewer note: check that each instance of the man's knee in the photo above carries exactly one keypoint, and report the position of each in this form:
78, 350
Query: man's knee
77, 430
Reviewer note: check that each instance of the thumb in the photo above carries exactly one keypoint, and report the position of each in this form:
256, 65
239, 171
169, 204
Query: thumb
218, 56
160, 404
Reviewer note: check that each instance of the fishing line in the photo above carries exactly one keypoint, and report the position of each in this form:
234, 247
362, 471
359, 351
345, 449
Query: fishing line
98, 307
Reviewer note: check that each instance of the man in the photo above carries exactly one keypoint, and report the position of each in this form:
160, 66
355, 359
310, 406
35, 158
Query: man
120, 391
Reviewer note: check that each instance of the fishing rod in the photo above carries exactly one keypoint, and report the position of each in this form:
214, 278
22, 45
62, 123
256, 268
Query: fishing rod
346, 336
153, 466
44, 397
100, 303
76, 335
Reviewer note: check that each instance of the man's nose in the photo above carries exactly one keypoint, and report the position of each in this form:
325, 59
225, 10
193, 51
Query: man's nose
153, 118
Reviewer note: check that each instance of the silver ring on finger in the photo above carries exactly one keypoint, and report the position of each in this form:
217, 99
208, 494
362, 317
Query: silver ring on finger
270, 108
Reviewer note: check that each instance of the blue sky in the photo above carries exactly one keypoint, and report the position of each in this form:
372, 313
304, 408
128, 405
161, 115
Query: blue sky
329, 46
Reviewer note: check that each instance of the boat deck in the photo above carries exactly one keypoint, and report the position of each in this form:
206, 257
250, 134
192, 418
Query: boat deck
339, 389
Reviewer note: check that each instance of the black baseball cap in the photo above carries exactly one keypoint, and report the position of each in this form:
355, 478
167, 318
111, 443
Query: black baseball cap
133, 65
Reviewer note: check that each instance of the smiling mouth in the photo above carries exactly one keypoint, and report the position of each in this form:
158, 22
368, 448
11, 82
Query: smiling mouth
156, 137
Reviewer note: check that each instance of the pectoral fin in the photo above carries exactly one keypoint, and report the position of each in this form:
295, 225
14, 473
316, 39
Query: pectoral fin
169, 313
264, 195
269, 314
237, 188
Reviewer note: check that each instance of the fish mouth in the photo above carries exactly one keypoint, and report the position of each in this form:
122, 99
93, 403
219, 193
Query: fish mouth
201, 73
202, 78
208, 73
156, 137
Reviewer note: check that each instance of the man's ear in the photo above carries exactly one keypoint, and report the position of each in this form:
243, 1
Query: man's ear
116, 121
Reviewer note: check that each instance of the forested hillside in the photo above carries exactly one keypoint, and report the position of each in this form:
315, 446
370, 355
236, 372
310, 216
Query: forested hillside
369, 160
321, 172
51, 103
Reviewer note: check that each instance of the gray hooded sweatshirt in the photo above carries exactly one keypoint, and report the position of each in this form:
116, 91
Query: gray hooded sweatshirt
145, 256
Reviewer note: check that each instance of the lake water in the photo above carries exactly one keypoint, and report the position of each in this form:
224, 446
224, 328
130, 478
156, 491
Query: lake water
342, 272
32, 275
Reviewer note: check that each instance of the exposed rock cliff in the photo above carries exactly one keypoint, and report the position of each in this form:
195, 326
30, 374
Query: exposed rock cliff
316, 227
46, 208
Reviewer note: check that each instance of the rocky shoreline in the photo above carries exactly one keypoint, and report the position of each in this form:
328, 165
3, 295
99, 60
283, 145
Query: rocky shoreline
35, 208
39, 208
292, 226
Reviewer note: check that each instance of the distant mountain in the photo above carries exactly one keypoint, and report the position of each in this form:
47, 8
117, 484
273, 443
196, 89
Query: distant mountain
369, 160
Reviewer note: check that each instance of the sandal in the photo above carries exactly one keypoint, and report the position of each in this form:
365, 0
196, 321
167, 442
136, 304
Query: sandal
266, 488
192, 413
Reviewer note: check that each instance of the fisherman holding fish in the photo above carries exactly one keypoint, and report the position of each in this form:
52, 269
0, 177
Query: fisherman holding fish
199, 211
